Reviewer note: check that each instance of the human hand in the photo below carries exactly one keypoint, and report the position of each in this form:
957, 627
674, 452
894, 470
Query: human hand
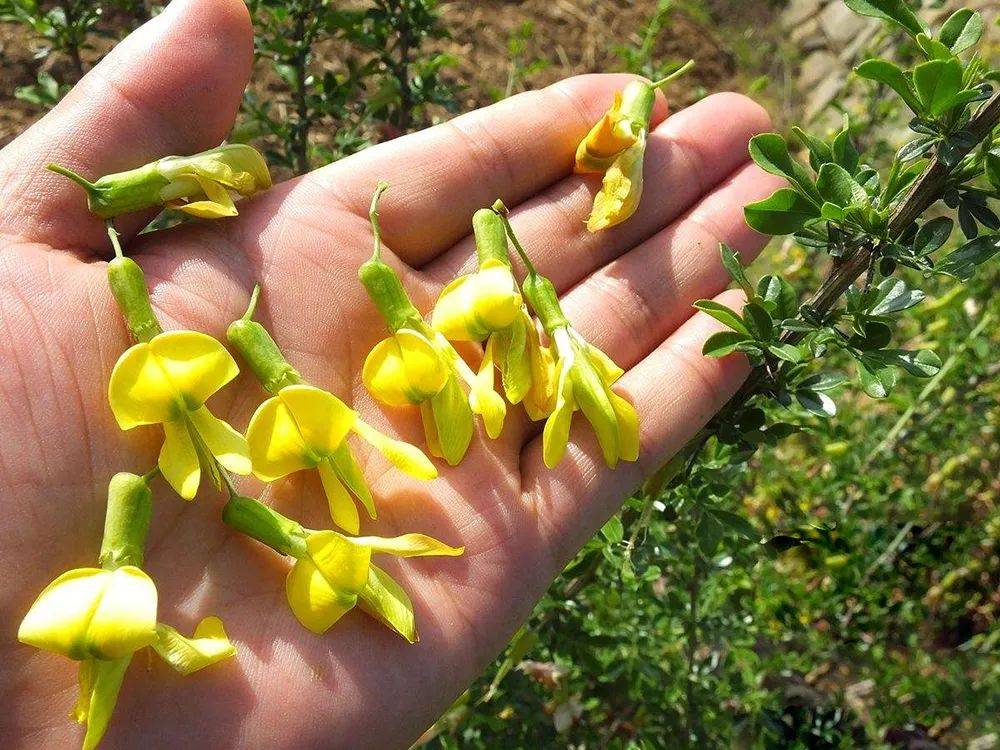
173, 87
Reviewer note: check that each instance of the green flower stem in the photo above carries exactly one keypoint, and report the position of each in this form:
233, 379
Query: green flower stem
491, 238
381, 282
253, 518
128, 285
538, 290
126, 525
259, 349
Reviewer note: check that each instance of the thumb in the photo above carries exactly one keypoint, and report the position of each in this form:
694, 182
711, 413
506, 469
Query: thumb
172, 86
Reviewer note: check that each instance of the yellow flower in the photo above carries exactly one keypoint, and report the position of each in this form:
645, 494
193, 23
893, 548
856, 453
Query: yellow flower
303, 427
336, 573
475, 305
416, 365
101, 617
201, 185
584, 379
526, 367
167, 381
90, 613
615, 146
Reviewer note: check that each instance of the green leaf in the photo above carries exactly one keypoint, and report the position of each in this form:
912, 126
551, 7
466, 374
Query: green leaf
785, 212
895, 11
770, 152
923, 363
823, 382
613, 531
937, 82
892, 296
731, 262
787, 352
993, 169
962, 262
722, 343
819, 152
875, 335
837, 186
722, 313
709, 534
932, 235
758, 321
934, 49
876, 380
883, 71
962, 30
779, 293
737, 523
816, 403
844, 152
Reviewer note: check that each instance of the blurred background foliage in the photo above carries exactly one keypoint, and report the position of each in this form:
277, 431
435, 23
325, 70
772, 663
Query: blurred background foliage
839, 591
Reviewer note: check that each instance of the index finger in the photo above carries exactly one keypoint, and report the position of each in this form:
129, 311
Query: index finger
440, 176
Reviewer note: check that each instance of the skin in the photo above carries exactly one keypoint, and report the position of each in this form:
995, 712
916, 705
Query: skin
174, 87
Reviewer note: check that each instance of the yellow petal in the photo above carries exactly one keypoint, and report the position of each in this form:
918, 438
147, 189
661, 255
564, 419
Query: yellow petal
541, 399
628, 427
451, 311
313, 601
555, 436
276, 445
105, 682
404, 369
430, 429
409, 545
510, 348
473, 306
453, 423
93, 613
226, 444
218, 203
178, 461
209, 645
322, 418
195, 363
85, 682
620, 191
247, 171
402, 455
343, 511
349, 473
140, 392
606, 140
385, 600
606, 367
484, 400
591, 396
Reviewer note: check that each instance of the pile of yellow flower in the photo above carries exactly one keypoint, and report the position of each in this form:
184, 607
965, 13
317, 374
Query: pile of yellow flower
102, 616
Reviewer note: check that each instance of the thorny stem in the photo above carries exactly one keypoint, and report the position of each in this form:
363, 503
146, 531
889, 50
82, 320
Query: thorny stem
380, 188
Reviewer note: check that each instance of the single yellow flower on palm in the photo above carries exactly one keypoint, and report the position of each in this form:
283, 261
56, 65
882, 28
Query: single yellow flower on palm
615, 146
102, 616
334, 573
416, 365
201, 185
167, 381
303, 427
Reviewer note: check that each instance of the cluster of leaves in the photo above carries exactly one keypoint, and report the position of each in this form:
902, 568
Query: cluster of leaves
384, 84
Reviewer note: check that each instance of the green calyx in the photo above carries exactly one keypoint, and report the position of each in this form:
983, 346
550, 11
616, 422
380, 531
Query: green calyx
638, 97
491, 237
386, 290
542, 297
266, 525
128, 285
122, 192
126, 525
259, 350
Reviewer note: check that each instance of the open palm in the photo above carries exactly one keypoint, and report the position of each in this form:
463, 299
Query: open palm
173, 87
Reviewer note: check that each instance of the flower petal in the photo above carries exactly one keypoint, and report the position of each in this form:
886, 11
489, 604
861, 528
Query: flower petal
591, 396
209, 645
93, 613
195, 363
105, 682
510, 349
343, 511
555, 436
313, 601
409, 545
610, 136
451, 311
276, 445
218, 203
343, 562
405, 457
404, 369
227, 445
385, 600
452, 421
628, 427
620, 191
322, 418
178, 461
350, 475
139, 390
430, 429
484, 400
